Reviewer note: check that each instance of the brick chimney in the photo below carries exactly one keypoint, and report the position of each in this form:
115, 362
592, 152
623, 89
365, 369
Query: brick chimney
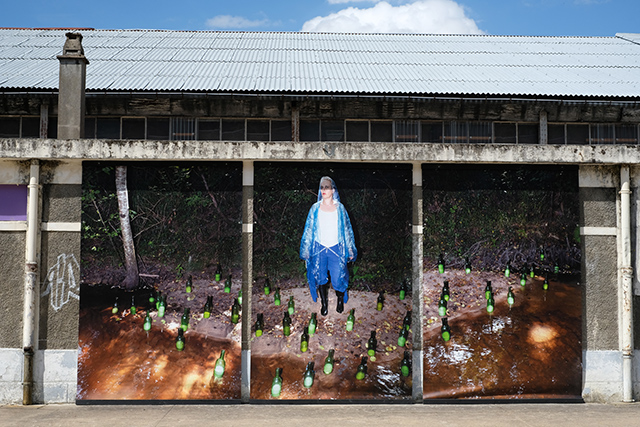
71, 99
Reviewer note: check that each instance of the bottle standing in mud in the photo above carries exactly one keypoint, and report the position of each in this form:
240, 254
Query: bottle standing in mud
507, 270
405, 365
189, 286
403, 290
158, 298
511, 299
351, 319
276, 384
291, 307
556, 268
313, 324
152, 298
267, 286
227, 285
309, 375
259, 325
523, 280
372, 344
545, 284
240, 297
218, 273
490, 304
445, 290
445, 330
304, 340
208, 306
362, 369
114, 309
441, 264
133, 304
147, 322
235, 312
532, 271
162, 305
276, 297
442, 307
286, 324
402, 339
184, 321
328, 363
467, 265
406, 322
218, 371
180, 339
541, 253
488, 290
380, 302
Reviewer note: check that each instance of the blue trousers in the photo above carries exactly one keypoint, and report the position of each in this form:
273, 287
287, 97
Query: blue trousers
330, 263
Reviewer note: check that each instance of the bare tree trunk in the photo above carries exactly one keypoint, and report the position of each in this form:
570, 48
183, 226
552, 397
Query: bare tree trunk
131, 264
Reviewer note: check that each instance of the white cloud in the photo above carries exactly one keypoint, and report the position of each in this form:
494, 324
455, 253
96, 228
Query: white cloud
225, 22
349, 1
424, 16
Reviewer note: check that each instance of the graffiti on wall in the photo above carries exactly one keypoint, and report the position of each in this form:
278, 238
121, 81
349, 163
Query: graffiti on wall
61, 281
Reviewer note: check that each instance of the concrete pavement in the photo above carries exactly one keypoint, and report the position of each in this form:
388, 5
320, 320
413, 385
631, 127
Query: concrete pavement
451, 415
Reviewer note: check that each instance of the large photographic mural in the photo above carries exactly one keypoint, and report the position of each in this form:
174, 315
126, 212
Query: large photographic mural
176, 334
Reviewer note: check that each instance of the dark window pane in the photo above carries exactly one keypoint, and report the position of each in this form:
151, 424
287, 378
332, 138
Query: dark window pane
626, 134
407, 131
578, 134
108, 128
257, 130
52, 129
9, 127
182, 129
381, 131
309, 130
332, 130
158, 129
528, 133
31, 127
233, 130
556, 134
480, 132
209, 130
280, 130
90, 127
505, 133
357, 131
456, 132
431, 132
602, 134
133, 128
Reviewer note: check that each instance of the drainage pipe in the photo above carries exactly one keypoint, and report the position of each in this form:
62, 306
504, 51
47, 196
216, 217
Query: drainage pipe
626, 286
29, 313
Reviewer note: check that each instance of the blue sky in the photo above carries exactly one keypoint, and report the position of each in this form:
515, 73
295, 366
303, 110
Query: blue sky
496, 17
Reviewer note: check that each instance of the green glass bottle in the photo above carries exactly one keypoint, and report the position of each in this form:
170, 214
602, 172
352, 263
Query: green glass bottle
467, 265
490, 304
405, 365
158, 298
133, 304
304, 340
372, 344
286, 324
380, 302
276, 297
362, 369
189, 286
152, 298
403, 290
523, 279
309, 375
147, 322
184, 321
556, 268
313, 324
402, 339
276, 384
445, 330
442, 307
114, 309
328, 363
507, 270
291, 307
218, 273
208, 306
445, 290
235, 312
532, 271
545, 284
227, 285
351, 319
541, 253
180, 340
488, 290
406, 322
267, 286
240, 297
511, 299
441, 264
162, 305
259, 325
218, 371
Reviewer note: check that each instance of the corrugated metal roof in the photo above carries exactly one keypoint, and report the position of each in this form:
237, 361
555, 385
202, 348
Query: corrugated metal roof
382, 64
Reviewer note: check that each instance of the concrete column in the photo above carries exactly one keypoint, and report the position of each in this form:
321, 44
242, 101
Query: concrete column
295, 122
247, 277
416, 288
543, 134
626, 286
71, 99
44, 120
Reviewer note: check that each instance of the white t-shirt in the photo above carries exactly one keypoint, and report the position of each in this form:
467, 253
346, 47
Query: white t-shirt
328, 222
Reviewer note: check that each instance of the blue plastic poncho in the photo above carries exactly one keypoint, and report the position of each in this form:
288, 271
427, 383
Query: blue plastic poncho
310, 247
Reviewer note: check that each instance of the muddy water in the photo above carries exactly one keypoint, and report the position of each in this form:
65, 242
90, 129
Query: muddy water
531, 350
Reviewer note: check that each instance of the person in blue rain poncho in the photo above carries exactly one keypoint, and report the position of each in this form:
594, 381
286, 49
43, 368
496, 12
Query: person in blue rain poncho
327, 245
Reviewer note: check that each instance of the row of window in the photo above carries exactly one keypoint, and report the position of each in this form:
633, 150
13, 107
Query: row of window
207, 129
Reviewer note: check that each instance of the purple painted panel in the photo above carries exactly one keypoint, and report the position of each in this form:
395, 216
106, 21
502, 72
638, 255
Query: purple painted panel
13, 202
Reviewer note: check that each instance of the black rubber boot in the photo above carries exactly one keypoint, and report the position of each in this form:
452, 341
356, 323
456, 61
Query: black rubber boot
323, 290
340, 298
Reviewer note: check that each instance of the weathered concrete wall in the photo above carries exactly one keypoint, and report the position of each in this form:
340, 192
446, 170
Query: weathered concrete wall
12, 274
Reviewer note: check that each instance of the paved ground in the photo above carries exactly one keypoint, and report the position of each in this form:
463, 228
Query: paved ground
338, 415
